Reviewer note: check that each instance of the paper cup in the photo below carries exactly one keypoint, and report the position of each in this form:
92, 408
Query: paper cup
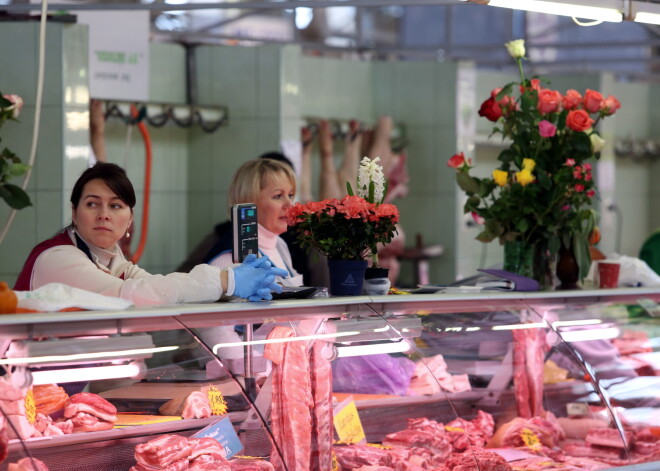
608, 274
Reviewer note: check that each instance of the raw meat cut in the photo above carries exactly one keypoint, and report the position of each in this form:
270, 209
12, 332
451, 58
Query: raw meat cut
180, 465
246, 464
163, 451
529, 348
355, 456
196, 406
90, 412
578, 427
291, 418
49, 398
477, 460
28, 464
609, 437
4, 439
205, 446
322, 427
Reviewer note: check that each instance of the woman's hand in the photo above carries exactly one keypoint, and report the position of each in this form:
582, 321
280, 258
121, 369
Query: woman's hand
254, 279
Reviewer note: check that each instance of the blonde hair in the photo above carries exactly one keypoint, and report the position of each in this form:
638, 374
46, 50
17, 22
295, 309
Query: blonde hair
252, 177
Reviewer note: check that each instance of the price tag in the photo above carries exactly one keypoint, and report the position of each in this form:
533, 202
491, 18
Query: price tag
223, 431
577, 408
347, 422
30, 407
217, 401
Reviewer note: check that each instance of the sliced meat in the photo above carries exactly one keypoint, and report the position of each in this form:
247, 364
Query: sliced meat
322, 427
163, 451
84, 422
180, 465
477, 460
245, 464
609, 437
91, 404
206, 446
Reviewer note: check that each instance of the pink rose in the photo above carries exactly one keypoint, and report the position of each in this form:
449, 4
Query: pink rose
16, 106
579, 188
588, 177
566, 207
571, 100
570, 162
610, 105
478, 219
587, 167
591, 193
592, 101
535, 84
507, 103
549, 101
577, 172
547, 129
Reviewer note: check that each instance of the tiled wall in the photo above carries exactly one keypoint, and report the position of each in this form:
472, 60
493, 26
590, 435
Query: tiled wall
63, 143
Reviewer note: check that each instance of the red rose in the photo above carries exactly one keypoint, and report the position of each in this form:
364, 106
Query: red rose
579, 188
571, 100
490, 110
549, 101
610, 105
535, 84
579, 120
507, 103
456, 161
592, 101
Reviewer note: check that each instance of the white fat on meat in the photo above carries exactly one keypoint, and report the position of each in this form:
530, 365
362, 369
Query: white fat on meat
22, 426
196, 406
91, 404
206, 446
163, 451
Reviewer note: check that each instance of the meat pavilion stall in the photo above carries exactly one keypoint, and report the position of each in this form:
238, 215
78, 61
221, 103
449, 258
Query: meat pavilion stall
557, 380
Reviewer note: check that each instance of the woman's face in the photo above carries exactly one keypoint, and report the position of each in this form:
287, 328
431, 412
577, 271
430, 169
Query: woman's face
273, 201
101, 217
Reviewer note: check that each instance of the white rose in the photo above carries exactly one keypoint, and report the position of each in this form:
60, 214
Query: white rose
597, 142
516, 48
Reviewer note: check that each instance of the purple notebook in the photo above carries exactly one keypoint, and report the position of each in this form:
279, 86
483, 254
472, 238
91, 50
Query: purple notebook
521, 283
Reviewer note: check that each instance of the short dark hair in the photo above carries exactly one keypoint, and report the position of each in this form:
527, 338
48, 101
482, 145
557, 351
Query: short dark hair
112, 175
280, 157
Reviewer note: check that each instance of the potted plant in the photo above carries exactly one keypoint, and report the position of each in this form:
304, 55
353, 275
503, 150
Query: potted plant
348, 231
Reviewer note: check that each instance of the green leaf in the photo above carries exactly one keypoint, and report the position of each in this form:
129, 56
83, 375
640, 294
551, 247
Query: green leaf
582, 255
349, 189
485, 236
522, 225
14, 195
467, 183
16, 170
471, 204
372, 190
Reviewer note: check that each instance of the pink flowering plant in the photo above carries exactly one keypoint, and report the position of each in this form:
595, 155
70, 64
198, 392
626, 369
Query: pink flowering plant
543, 188
349, 228
10, 164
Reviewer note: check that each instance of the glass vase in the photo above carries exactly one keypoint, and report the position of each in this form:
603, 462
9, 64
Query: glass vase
532, 260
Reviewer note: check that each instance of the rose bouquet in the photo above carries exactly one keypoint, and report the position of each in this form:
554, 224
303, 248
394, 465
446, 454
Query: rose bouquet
10, 164
541, 193
350, 228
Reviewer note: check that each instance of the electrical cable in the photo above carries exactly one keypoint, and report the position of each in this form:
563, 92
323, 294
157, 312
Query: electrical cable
37, 112
144, 229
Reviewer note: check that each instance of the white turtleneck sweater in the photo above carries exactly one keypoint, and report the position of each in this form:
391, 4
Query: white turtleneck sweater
275, 248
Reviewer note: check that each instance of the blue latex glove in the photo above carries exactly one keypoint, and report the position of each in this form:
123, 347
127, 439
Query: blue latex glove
254, 279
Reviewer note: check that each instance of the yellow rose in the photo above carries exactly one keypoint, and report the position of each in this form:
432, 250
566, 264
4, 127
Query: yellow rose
516, 48
500, 177
597, 142
529, 164
524, 177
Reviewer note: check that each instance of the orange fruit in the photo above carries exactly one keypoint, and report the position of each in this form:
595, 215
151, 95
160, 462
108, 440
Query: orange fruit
8, 300
594, 237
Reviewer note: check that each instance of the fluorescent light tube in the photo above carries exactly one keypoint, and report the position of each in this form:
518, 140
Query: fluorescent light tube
603, 10
645, 12
373, 349
590, 334
73, 375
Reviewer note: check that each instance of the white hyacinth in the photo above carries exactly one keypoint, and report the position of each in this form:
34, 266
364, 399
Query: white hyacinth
370, 171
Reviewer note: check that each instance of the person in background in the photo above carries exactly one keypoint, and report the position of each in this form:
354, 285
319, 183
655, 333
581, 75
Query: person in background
220, 239
86, 254
271, 185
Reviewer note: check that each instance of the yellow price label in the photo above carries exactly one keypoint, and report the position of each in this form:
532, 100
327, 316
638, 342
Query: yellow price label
30, 407
217, 401
348, 425
530, 439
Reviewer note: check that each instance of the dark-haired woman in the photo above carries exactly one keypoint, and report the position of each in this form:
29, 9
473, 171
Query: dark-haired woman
86, 255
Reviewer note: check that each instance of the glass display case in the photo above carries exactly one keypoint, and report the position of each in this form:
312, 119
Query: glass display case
497, 381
